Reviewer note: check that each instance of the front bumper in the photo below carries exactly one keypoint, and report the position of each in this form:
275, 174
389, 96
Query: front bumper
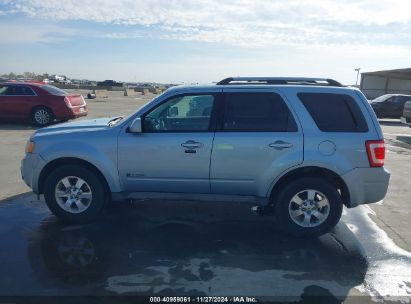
30, 169
366, 185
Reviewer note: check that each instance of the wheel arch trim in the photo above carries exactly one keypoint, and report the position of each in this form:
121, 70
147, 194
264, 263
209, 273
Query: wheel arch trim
309, 171
108, 181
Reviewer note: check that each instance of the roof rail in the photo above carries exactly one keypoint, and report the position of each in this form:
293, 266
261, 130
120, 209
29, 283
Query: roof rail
280, 80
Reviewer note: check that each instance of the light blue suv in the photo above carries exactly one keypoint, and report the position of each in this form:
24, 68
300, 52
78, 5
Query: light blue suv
299, 148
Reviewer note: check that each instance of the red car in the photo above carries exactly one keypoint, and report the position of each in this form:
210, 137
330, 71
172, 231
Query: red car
39, 102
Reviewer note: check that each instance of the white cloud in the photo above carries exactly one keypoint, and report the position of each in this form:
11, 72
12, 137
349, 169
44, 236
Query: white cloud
24, 33
241, 22
286, 37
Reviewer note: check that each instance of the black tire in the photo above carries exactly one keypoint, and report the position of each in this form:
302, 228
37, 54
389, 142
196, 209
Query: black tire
100, 194
42, 116
283, 202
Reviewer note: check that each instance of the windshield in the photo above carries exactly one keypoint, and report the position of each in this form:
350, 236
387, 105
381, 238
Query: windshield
381, 98
54, 90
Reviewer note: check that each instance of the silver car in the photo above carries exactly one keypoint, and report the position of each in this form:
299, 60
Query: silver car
299, 148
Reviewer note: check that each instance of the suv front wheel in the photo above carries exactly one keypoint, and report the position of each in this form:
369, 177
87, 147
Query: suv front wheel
308, 207
75, 194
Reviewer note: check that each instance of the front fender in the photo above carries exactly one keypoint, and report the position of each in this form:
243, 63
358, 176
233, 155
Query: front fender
100, 152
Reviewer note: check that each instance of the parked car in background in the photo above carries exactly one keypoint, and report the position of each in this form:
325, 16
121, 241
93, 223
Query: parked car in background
300, 148
58, 78
39, 102
110, 83
406, 116
389, 105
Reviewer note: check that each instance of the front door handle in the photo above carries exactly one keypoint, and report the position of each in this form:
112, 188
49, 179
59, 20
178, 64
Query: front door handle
191, 144
280, 145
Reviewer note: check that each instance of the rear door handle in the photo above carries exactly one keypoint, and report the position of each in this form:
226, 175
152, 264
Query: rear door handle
280, 145
191, 144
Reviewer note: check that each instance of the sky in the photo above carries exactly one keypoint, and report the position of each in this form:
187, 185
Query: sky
201, 41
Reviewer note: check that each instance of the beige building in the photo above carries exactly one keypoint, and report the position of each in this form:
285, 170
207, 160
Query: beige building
374, 84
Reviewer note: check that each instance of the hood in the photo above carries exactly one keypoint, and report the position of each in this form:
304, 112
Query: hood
76, 126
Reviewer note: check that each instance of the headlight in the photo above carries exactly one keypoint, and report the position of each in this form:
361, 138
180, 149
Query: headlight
30, 146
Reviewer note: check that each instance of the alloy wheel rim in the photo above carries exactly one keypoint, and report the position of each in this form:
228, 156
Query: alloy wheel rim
73, 194
42, 117
309, 208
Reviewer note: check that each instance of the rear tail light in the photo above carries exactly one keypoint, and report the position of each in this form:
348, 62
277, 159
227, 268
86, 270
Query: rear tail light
68, 103
375, 152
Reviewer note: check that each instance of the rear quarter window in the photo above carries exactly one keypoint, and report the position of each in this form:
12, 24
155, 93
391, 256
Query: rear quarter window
334, 112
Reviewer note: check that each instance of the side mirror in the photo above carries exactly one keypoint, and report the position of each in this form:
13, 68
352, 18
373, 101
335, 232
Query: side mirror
135, 126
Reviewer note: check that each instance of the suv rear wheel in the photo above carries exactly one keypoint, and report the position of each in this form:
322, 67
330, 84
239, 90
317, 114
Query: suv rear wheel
75, 194
308, 207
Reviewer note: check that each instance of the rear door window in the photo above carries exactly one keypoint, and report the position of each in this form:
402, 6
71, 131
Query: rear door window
256, 112
27, 91
403, 99
334, 112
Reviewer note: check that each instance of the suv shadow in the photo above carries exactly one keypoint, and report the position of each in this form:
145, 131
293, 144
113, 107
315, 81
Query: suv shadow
187, 249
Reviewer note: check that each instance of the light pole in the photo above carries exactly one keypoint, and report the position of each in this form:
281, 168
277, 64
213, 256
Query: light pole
358, 73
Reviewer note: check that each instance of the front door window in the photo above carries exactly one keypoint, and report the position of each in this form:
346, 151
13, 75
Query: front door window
189, 113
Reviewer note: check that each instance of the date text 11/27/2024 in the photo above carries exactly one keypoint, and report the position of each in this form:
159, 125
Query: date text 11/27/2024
187, 299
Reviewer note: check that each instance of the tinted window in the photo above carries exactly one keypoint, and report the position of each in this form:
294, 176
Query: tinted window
257, 112
334, 112
17, 90
403, 99
182, 113
27, 91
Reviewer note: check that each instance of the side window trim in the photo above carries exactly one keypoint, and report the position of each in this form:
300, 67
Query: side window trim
212, 125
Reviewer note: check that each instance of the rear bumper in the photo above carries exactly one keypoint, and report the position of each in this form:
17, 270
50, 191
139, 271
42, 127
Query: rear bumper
80, 111
366, 185
71, 113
